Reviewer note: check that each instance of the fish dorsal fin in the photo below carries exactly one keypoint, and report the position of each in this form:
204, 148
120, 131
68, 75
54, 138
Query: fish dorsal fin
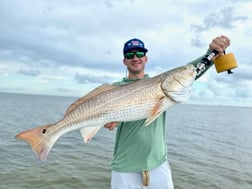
100, 89
88, 133
156, 111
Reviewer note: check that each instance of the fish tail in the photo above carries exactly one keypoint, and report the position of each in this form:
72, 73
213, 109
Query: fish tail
40, 140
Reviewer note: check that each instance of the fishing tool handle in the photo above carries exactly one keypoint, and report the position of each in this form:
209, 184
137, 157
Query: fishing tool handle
222, 63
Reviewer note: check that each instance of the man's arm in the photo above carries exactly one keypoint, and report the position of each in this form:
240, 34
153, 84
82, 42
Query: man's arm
198, 60
218, 44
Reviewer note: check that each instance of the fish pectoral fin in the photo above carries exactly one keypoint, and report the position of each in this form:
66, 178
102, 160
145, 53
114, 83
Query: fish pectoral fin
150, 119
88, 133
156, 111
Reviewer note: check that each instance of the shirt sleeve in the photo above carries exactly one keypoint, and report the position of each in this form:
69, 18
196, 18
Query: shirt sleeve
198, 60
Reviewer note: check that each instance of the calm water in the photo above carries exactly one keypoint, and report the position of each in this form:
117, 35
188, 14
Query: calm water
208, 147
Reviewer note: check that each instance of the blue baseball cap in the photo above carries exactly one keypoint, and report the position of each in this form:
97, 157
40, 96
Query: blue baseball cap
134, 44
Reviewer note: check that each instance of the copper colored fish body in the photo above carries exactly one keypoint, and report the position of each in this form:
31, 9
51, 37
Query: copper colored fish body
143, 99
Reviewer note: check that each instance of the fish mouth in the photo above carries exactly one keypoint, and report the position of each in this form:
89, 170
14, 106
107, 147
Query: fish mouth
180, 83
185, 83
181, 88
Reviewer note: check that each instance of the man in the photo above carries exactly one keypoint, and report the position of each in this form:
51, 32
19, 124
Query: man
140, 154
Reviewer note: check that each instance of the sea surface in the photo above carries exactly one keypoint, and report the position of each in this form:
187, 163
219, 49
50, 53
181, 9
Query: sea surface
209, 147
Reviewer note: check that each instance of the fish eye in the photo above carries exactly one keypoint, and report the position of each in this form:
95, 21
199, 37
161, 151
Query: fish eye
44, 131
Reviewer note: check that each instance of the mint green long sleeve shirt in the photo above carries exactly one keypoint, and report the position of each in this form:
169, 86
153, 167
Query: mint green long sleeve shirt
139, 148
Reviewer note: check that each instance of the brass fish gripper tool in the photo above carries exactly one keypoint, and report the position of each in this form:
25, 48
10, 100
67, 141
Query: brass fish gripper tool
222, 63
146, 178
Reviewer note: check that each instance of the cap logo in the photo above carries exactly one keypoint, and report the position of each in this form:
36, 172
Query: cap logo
135, 43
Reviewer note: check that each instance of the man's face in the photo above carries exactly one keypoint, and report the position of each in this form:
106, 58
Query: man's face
136, 61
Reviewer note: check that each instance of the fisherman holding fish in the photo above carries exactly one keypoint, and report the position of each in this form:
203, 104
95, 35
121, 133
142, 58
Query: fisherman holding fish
137, 106
140, 153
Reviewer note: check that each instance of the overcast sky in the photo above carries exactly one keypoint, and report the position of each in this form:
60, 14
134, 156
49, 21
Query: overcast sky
69, 47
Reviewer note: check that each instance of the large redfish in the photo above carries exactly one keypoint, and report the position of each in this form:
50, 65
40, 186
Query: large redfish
146, 98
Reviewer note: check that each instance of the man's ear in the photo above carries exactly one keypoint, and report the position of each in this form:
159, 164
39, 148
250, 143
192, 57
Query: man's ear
146, 59
124, 62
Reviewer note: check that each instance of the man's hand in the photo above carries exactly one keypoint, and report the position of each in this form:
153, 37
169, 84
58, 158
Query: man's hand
111, 125
220, 44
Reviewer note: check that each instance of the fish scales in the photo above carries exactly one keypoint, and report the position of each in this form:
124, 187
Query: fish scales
119, 105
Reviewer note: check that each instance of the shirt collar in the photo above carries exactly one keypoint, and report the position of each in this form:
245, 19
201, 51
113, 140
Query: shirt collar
125, 79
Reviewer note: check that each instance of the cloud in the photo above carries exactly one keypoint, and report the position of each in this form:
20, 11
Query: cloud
84, 78
68, 44
29, 72
225, 18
